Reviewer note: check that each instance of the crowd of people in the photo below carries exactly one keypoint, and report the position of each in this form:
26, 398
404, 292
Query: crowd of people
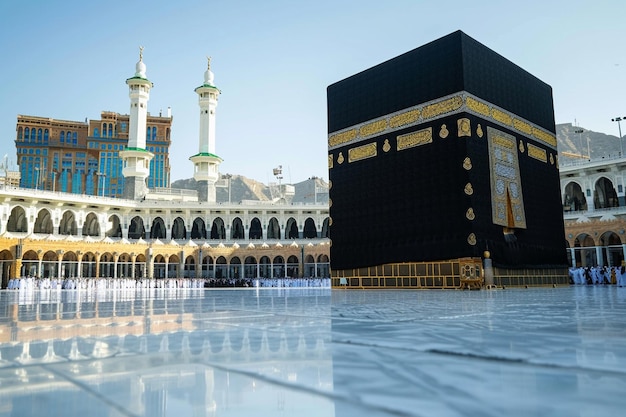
31, 283
598, 275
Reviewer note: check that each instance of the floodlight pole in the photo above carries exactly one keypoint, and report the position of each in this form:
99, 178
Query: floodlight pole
580, 140
619, 127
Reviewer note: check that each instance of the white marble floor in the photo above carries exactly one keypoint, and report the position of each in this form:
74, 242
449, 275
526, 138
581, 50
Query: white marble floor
314, 352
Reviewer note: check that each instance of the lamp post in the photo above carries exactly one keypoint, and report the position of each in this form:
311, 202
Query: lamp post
278, 173
580, 140
619, 127
228, 177
54, 180
103, 176
5, 167
36, 178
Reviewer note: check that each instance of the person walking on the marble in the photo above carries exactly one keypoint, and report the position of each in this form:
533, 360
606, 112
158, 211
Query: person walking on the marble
621, 278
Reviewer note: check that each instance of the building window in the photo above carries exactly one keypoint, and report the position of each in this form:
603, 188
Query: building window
123, 127
39, 136
75, 138
110, 130
26, 132
46, 134
62, 137
154, 133
96, 132
20, 132
32, 134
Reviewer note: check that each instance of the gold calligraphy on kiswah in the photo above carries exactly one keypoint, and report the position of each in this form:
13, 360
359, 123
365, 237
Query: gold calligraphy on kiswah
410, 140
362, 152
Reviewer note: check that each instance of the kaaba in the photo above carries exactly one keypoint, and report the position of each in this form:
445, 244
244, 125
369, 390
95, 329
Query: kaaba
438, 158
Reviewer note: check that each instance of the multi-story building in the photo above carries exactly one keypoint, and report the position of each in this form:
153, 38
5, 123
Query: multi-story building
83, 157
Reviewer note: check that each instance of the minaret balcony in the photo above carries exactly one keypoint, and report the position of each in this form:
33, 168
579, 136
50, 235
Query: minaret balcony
137, 153
206, 166
136, 162
205, 157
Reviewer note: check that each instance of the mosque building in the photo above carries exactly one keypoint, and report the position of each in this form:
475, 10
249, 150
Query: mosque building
63, 221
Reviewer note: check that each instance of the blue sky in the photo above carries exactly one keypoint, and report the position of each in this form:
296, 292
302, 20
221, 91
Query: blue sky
273, 60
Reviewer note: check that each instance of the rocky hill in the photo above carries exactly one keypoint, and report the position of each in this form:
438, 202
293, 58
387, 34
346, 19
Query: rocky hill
241, 188
576, 143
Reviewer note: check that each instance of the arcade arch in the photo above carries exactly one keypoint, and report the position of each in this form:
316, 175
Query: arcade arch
256, 232
218, 231
604, 194
158, 231
91, 227
43, 223
136, 230
236, 230
291, 229
115, 228
67, 226
273, 229
178, 229
17, 220
309, 232
574, 198
198, 229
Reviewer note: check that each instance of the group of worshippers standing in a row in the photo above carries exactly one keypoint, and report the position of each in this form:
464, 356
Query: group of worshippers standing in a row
31, 283
598, 275
101, 283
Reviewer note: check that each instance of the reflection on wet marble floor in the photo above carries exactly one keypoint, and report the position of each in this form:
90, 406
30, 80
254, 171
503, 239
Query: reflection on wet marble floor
313, 352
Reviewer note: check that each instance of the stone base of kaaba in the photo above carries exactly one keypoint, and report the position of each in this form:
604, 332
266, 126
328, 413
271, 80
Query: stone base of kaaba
532, 277
464, 273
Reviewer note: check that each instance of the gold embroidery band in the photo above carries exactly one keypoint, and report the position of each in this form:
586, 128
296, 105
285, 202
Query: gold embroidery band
342, 137
428, 111
405, 118
373, 128
443, 107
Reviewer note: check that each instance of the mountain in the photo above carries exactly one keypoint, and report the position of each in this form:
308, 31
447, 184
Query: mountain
574, 143
242, 188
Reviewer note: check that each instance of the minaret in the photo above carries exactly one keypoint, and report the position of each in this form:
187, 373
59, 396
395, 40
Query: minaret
205, 162
135, 157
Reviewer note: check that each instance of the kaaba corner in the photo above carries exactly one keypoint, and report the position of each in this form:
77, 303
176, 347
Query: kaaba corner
441, 161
